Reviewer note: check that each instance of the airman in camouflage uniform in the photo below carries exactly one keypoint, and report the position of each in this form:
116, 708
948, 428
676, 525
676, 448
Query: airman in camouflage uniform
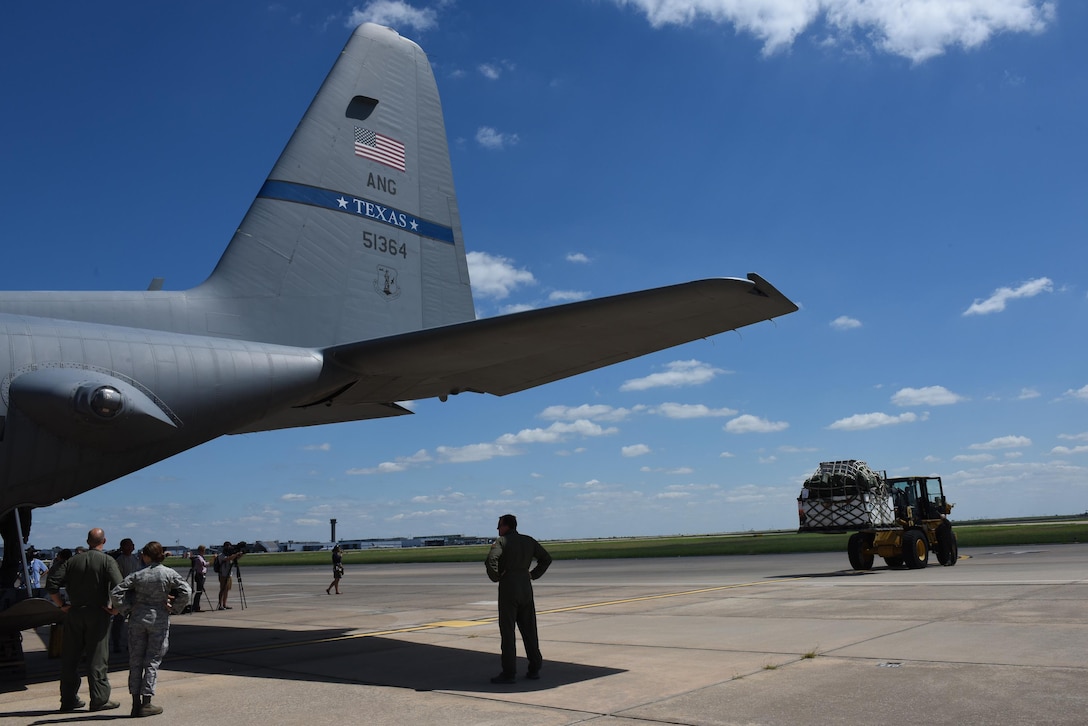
148, 596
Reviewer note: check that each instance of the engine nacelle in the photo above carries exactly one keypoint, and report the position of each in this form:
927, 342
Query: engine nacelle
90, 406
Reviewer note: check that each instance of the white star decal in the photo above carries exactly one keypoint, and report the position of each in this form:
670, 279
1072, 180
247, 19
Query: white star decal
415, 225
342, 202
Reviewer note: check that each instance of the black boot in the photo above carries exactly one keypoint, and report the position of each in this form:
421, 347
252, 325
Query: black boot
135, 705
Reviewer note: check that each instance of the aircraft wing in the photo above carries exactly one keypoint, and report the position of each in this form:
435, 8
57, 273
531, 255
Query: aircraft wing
324, 411
510, 353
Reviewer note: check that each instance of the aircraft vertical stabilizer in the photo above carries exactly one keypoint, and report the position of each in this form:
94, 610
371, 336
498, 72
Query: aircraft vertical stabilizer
344, 291
355, 234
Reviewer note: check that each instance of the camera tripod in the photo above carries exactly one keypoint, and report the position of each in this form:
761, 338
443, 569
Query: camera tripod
198, 591
241, 587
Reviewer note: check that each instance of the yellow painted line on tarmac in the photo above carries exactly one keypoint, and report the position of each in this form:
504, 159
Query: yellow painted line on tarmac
482, 621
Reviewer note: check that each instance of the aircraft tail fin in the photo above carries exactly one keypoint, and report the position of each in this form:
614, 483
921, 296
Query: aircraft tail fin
355, 234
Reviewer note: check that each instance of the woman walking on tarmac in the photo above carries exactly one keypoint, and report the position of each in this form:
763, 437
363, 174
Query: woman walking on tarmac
148, 596
337, 570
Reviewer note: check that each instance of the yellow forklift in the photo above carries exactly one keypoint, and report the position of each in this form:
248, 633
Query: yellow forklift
921, 527
901, 519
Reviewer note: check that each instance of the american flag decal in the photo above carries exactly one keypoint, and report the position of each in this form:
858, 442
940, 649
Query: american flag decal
376, 147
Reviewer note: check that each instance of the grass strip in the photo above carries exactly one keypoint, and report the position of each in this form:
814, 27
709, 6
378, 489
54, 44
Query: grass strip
754, 543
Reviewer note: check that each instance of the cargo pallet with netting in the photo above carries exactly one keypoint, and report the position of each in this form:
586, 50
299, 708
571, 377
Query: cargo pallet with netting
843, 496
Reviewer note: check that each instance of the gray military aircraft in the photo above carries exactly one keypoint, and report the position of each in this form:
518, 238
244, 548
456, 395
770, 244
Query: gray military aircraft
344, 291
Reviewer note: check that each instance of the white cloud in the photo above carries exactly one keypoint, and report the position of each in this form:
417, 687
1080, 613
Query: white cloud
294, 497
845, 323
391, 467
318, 447
1065, 450
591, 484
593, 412
1068, 437
386, 467
974, 458
561, 296
495, 276
494, 71
475, 452
1003, 442
1080, 393
1026, 393
635, 450
672, 495
996, 302
516, 308
504, 445
748, 424
394, 14
753, 493
691, 410
555, 433
489, 138
578, 258
442, 498
862, 421
692, 487
928, 396
679, 373
677, 471
914, 29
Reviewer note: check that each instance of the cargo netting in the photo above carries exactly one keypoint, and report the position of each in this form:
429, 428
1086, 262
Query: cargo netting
845, 495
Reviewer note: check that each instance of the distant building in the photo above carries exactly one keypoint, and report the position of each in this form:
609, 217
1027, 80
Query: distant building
441, 540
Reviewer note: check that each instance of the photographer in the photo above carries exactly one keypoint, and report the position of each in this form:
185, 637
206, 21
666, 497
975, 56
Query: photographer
199, 567
224, 563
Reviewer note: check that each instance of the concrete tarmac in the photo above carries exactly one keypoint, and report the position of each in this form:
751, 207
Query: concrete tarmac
1001, 638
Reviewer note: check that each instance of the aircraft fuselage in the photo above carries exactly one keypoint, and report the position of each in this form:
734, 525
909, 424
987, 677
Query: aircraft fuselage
83, 403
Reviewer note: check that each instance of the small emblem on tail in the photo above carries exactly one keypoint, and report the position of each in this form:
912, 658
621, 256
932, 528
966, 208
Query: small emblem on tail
386, 283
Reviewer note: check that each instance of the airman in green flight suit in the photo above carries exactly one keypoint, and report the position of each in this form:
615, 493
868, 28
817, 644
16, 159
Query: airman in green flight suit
508, 564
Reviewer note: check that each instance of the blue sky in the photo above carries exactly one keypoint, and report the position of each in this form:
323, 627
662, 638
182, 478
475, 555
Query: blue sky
914, 176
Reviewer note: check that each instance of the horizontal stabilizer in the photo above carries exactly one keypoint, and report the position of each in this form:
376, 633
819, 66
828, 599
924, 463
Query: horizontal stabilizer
510, 353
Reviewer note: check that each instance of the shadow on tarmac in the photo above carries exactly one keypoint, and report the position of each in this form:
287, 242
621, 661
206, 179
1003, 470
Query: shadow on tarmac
329, 656
836, 573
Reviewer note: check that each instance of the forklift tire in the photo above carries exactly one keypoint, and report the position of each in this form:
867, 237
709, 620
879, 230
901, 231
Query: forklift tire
915, 549
894, 562
858, 559
947, 549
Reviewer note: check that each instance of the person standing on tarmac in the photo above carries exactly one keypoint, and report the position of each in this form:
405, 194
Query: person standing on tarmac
148, 596
88, 577
508, 564
200, 575
128, 562
225, 562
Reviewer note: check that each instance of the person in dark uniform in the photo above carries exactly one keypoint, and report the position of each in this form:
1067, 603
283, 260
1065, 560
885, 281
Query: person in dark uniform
508, 564
337, 570
88, 577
